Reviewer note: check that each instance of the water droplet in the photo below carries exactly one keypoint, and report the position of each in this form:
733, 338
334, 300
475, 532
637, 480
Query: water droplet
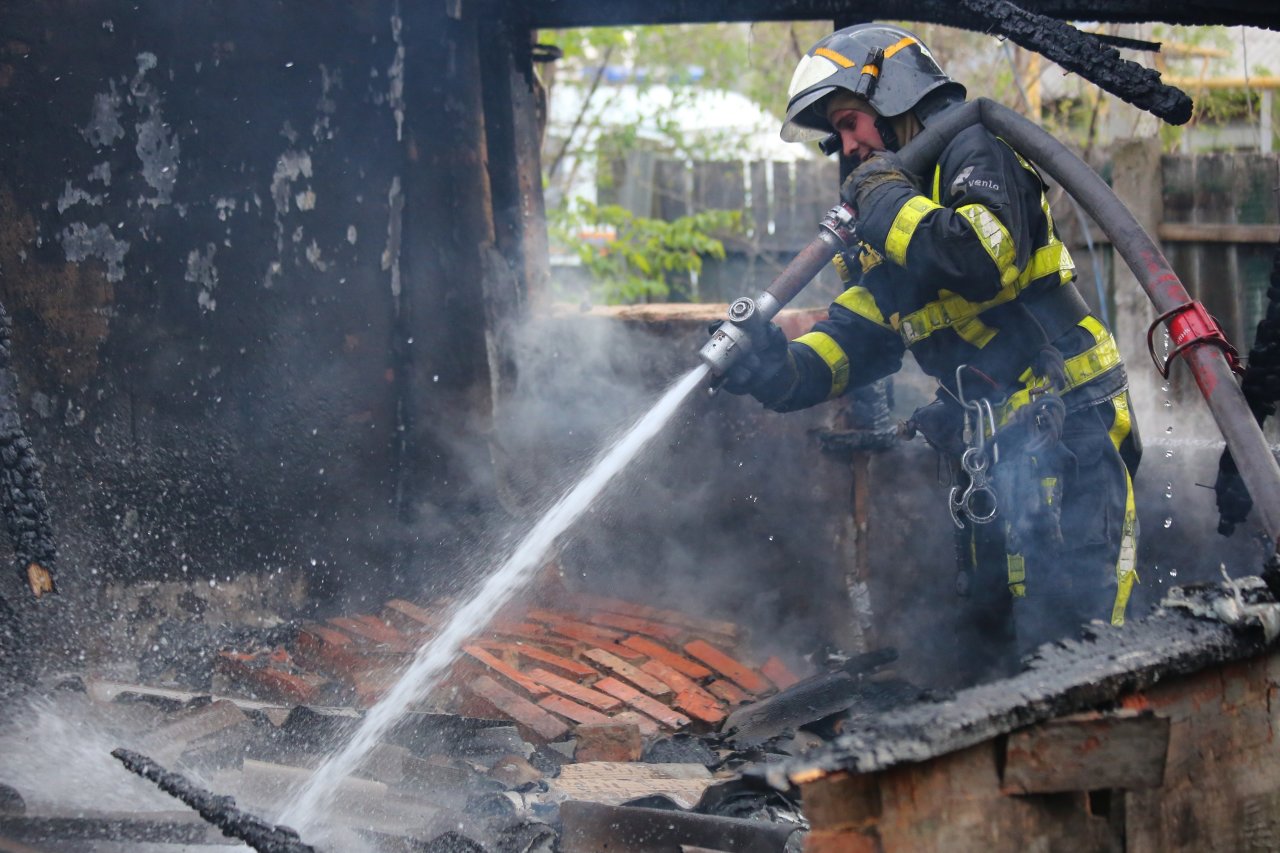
1168, 522
1168, 454
771, 538
1168, 404
1173, 573
1169, 429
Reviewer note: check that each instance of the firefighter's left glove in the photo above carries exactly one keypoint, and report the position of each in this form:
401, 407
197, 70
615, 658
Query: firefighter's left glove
768, 372
877, 190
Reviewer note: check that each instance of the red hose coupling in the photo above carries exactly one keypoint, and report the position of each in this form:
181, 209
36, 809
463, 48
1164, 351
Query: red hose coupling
1190, 325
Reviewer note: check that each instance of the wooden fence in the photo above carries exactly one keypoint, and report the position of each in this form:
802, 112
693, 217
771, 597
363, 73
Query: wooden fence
1219, 226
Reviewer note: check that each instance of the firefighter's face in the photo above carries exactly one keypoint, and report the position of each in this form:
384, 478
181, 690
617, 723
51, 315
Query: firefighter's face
859, 138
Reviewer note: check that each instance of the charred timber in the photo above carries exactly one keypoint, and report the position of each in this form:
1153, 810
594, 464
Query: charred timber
583, 13
221, 811
1084, 54
26, 509
1194, 629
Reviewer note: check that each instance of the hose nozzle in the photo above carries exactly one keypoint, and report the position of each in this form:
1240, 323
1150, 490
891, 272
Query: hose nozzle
732, 339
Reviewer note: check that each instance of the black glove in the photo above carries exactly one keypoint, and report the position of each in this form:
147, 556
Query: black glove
1234, 501
877, 190
879, 171
767, 372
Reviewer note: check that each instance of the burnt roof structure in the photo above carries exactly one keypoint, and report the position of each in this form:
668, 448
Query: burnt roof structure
581, 13
1196, 628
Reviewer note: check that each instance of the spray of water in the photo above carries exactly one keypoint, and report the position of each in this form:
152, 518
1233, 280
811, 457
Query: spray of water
434, 657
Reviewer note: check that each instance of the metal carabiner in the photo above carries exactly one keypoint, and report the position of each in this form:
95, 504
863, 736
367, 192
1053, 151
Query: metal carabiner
976, 495
955, 503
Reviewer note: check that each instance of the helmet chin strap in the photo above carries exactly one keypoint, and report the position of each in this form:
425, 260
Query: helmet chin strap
887, 134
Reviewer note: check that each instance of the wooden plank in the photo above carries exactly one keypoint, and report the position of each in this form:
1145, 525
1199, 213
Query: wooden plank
761, 208
1217, 232
1086, 752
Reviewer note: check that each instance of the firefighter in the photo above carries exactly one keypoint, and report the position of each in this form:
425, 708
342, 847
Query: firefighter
961, 265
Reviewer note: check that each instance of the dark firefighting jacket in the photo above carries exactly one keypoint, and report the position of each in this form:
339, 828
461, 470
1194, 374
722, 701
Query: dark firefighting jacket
964, 270
967, 270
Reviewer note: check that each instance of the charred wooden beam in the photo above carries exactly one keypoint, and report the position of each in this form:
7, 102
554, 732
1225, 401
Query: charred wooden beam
1084, 54
585, 13
221, 811
1196, 628
26, 509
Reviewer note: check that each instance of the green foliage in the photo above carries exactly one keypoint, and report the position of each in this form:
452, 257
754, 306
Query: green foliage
647, 259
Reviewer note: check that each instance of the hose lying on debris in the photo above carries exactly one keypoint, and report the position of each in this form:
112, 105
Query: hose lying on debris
26, 510
1192, 333
221, 811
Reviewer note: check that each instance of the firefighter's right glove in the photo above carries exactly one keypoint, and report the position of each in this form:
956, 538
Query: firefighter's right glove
877, 190
768, 372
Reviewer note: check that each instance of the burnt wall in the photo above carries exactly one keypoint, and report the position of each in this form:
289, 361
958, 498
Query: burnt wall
230, 239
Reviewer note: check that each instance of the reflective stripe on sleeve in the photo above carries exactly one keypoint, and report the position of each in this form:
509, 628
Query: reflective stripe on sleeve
904, 226
995, 238
860, 301
834, 357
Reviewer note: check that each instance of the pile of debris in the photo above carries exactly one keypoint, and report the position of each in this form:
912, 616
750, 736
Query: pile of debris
594, 660
601, 724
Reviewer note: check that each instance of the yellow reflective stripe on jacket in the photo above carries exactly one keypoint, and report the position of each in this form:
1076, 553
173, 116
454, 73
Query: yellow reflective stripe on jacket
860, 301
1017, 569
1127, 561
953, 308
834, 356
1080, 369
904, 227
995, 238
950, 309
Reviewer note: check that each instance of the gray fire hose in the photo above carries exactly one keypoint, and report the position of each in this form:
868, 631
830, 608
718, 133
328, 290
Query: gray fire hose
1195, 335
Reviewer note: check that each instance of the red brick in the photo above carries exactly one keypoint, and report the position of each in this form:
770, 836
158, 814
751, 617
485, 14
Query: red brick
575, 691
661, 653
572, 710
636, 625
370, 686
585, 633
515, 676
531, 633
591, 639
384, 636
728, 691
673, 617
677, 681
637, 700
268, 679
779, 673
647, 725
554, 619
742, 675
331, 651
700, 705
409, 617
535, 723
551, 660
619, 667
608, 741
